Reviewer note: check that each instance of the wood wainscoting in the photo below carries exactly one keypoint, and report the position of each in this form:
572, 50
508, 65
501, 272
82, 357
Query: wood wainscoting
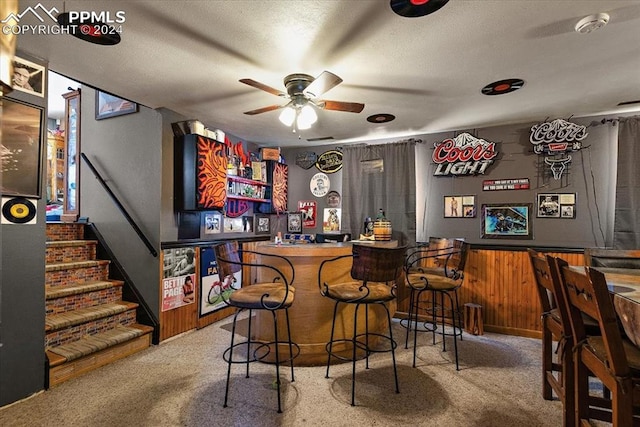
502, 282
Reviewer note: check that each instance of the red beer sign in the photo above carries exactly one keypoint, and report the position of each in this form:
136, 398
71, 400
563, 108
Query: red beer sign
463, 155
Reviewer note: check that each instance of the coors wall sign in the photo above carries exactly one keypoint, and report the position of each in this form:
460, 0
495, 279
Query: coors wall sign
463, 155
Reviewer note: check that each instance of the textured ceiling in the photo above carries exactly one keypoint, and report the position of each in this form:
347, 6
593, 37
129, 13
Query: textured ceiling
428, 72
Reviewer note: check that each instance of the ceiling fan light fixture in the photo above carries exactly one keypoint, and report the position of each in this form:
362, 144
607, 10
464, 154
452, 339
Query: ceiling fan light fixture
306, 117
287, 116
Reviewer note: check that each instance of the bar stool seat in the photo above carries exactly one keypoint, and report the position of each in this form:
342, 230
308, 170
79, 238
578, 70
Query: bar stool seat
259, 295
349, 291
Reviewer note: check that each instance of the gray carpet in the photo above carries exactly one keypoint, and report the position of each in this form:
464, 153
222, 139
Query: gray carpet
181, 383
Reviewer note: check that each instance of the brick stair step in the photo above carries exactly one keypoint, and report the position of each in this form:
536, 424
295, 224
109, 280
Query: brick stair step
59, 251
94, 343
53, 292
84, 315
75, 264
65, 231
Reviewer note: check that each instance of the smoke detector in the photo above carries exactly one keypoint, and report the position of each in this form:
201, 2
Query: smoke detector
591, 23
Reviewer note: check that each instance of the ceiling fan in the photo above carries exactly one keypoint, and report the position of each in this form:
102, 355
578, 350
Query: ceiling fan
302, 90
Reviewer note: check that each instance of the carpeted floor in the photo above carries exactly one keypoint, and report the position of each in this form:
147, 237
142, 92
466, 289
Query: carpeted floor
181, 383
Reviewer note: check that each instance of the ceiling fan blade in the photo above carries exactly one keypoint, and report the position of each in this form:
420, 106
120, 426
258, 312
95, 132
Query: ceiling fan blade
351, 107
263, 110
323, 83
263, 86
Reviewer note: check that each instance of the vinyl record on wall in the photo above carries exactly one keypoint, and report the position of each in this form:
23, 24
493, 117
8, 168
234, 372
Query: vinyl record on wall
90, 30
18, 210
503, 86
416, 8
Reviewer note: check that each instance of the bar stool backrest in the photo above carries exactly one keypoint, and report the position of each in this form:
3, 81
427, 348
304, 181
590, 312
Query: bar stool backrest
377, 264
228, 258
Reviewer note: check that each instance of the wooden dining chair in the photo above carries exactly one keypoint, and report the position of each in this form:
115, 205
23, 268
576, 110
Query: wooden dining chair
556, 376
614, 360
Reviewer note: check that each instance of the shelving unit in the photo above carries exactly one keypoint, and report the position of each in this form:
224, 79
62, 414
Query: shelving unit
246, 189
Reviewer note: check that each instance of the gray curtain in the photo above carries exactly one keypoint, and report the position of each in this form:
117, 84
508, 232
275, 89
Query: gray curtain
626, 230
366, 189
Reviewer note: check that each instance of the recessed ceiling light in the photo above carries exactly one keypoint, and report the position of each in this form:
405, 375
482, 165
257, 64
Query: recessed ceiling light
381, 118
502, 86
591, 23
416, 8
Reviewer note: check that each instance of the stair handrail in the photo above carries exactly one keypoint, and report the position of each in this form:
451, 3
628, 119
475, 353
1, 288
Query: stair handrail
123, 210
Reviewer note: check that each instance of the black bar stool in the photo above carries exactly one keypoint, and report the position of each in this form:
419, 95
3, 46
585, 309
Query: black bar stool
272, 296
441, 281
374, 273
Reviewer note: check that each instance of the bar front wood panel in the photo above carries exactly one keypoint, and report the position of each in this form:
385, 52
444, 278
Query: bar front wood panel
502, 282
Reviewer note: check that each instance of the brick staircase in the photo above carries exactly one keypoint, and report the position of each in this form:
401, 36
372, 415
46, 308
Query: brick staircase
87, 323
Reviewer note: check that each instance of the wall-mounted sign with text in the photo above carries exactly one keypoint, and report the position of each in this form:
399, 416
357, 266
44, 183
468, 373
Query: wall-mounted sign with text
505, 184
329, 161
306, 160
554, 140
463, 155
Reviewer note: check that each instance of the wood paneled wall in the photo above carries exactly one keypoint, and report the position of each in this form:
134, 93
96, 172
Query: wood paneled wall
499, 280
186, 318
502, 282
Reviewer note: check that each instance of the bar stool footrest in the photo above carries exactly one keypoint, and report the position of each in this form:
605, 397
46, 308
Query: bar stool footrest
255, 356
289, 359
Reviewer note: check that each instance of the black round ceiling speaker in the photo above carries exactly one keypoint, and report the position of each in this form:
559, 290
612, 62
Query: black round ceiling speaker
416, 8
90, 30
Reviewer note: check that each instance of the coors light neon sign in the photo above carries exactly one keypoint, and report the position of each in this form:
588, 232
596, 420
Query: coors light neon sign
463, 155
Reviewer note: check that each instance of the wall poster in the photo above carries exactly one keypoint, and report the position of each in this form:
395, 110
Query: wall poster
308, 210
331, 219
179, 279
212, 289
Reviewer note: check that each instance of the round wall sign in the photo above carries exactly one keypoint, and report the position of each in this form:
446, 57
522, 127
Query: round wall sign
319, 184
333, 199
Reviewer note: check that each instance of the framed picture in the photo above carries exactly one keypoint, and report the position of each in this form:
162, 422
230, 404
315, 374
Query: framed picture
262, 224
507, 221
20, 148
294, 222
556, 205
459, 206
212, 223
28, 77
241, 224
108, 105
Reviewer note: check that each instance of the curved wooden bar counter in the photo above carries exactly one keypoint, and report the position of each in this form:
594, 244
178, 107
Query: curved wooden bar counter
311, 313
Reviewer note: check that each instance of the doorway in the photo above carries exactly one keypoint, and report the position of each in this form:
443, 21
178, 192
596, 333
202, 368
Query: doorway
57, 149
